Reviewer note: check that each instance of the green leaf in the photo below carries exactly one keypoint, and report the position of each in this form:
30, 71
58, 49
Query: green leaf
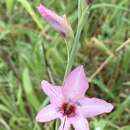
121, 108
29, 89
100, 125
103, 87
10, 5
30, 10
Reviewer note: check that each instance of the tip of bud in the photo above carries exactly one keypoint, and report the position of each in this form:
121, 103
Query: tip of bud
40, 7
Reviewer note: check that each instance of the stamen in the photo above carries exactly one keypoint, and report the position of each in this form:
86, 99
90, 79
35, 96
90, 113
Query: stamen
68, 109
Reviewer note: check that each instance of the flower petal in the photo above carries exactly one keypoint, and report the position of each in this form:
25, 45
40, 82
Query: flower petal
80, 123
54, 92
65, 124
75, 84
47, 114
93, 106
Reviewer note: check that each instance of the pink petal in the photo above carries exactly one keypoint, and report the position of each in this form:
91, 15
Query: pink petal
93, 106
65, 124
54, 92
75, 84
47, 114
80, 123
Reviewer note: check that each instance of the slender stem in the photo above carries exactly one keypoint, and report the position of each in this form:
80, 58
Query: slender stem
68, 54
68, 51
57, 123
75, 46
47, 64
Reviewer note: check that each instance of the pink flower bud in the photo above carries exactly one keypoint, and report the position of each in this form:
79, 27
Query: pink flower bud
59, 23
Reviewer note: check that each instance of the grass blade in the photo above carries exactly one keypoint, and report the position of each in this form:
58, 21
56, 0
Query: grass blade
29, 89
30, 10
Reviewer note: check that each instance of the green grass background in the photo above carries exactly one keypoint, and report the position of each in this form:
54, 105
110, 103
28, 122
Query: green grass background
30, 51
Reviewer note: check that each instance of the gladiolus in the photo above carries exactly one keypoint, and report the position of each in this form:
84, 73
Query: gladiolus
70, 104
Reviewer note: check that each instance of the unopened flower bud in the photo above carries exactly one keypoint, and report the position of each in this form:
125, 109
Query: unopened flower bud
59, 23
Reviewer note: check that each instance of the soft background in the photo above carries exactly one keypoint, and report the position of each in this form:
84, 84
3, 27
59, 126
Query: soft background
30, 50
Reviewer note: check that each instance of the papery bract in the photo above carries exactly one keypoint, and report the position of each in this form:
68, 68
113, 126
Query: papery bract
69, 103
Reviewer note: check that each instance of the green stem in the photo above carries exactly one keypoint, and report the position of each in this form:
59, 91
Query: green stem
75, 46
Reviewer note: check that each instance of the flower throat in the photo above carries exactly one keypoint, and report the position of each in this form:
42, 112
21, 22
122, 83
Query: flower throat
68, 109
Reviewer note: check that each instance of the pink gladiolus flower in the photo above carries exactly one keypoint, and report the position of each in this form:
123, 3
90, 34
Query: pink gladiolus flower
59, 23
70, 104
